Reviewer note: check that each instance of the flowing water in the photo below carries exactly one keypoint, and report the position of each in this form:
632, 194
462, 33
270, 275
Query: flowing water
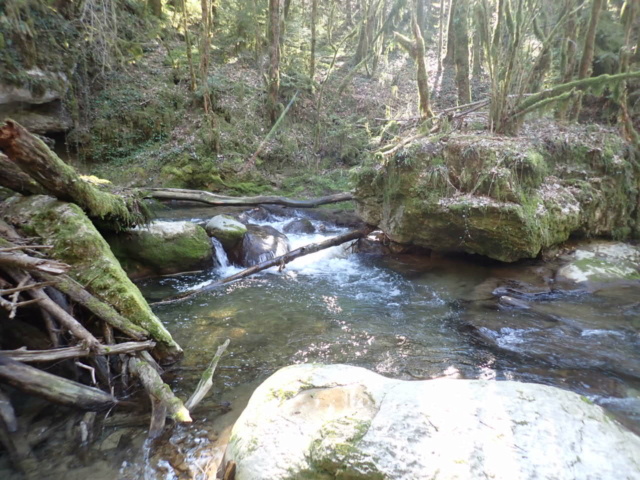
406, 317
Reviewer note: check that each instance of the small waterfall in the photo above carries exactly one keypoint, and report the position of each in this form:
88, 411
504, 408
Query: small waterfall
221, 256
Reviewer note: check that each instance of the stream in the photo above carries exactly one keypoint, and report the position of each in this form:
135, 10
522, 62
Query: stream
404, 316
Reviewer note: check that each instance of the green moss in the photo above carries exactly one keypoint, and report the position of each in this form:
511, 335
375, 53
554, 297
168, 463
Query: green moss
77, 242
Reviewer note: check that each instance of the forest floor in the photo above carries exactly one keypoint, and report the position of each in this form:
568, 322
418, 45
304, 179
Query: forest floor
145, 128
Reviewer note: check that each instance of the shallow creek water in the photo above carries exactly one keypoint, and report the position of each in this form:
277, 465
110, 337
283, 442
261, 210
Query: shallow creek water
405, 316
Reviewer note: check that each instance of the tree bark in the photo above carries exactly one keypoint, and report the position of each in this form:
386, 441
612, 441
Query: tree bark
451, 40
422, 76
53, 388
461, 55
13, 178
155, 6
590, 39
35, 159
274, 60
441, 32
221, 200
312, 57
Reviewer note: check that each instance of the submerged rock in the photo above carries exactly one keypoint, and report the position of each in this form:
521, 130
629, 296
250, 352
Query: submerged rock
602, 262
227, 230
163, 248
259, 244
299, 225
338, 421
503, 198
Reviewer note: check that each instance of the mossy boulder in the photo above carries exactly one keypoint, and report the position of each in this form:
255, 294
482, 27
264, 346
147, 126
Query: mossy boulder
504, 198
227, 230
162, 248
76, 241
325, 422
602, 262
259, 244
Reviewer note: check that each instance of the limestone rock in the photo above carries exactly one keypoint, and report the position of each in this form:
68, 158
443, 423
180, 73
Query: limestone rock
602, 262
227, 230
163, 248
337, 421
259, 244
506, 199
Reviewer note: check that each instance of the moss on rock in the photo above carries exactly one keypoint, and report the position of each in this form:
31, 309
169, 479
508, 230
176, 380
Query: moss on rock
76, 241
162, 248
507, 199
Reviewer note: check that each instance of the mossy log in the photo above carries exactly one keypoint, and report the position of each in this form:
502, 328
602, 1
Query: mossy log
159, 390
221, 200
13, 178
53, 388
75, 241
37, 161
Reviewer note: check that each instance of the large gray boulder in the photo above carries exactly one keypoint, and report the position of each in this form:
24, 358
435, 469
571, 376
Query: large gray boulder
602, 262
163, 248
318, 422
259, 244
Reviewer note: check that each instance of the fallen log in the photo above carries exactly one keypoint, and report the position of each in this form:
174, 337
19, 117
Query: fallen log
32, 156
53, 388
222, 200
280, 261
57, 354
158, 390
104, 311
13, 178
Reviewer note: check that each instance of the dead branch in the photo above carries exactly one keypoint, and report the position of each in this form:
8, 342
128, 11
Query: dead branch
104, 311
159, 390
25, 262
57, 354
206, 382
221, 200
66, 320
53, 388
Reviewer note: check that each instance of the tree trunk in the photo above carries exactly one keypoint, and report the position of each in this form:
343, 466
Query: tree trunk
423, 78
57, 178
461, 55
441, 32
155, 6
274, 60
314, 21
451, 40
590, 39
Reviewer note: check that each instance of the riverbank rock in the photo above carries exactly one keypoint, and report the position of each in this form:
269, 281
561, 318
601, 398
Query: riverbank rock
259, 244
227, 230
602, 262
338, 421
299, 225
504, 198
163, 248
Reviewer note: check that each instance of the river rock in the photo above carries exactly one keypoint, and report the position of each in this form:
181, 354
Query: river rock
503, 198
259, 244
227, 230
299, 225
602, 262
338, 421
163, 248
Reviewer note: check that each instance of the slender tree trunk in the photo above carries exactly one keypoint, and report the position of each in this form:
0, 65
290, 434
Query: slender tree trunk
155, 6
449, 57
461, 55
314, 21
423, 79
349, 12
441, 32
274, 60
590, 39
205, 49
187, 39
